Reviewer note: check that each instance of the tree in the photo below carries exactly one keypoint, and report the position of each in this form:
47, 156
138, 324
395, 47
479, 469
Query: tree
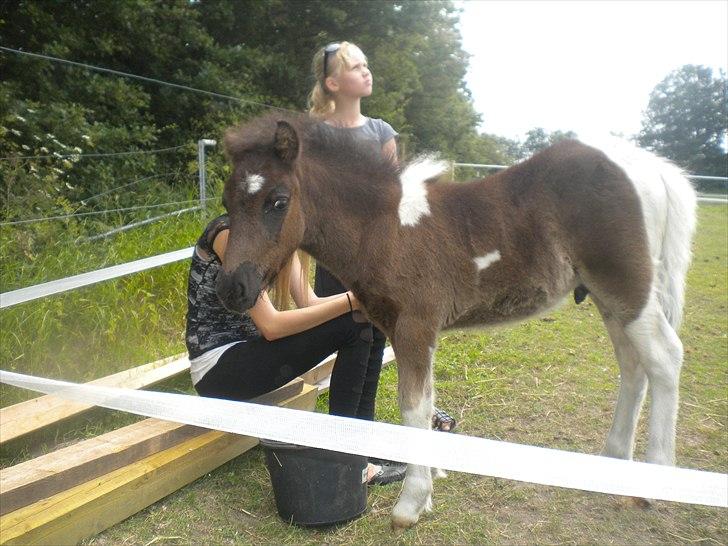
257, 51
538, 139
53, 109
414, 50
686, 120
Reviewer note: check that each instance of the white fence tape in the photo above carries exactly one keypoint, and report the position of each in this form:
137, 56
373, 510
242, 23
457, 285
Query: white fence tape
69, 283
447, 451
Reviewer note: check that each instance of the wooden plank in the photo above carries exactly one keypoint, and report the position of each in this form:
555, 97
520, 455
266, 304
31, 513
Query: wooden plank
89, 508
47, 475
321, 372
44, 476
26, 417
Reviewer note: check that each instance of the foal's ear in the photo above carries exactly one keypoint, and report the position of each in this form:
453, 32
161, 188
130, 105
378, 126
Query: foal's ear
286, 142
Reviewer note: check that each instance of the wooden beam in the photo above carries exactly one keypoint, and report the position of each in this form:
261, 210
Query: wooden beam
319, 374
21, 419
49, 474
26, 417
87, 509
44, 476
320, 371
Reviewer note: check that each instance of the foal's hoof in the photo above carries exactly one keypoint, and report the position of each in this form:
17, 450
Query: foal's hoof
401, 523
639, 502
636, 502
406, 515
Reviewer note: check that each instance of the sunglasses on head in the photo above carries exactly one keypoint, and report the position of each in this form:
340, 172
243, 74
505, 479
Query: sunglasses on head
330, 50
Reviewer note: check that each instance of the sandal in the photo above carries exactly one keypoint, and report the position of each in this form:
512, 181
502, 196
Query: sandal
442, 421
389, 472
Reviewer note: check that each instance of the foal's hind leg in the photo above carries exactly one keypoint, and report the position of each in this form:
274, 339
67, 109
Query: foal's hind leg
660, 354
632, 388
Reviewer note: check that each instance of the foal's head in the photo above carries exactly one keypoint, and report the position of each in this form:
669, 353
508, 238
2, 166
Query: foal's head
262, 200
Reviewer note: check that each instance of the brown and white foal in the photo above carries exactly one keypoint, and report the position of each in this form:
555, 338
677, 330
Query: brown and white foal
424, 254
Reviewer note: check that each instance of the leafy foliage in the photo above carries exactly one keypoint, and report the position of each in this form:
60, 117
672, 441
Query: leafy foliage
686, 120
538, 139
259, 52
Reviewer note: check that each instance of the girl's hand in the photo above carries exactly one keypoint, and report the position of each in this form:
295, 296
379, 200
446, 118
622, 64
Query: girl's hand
358, 311
355, 303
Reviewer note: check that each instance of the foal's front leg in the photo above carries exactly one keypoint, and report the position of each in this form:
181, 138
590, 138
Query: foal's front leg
414, 364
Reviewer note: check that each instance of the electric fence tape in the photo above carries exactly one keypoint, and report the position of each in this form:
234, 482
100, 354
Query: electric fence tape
447, 451
29, 293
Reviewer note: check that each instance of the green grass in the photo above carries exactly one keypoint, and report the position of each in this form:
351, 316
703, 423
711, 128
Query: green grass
96, 330
549, 382
106, 327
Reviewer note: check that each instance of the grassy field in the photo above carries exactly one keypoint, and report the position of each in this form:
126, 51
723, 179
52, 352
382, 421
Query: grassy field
106, 327
549, 382
97, 330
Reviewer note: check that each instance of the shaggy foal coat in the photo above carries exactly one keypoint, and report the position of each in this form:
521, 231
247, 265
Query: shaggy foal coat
423, 254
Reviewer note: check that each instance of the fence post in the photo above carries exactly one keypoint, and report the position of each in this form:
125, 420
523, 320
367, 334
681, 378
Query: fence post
201, 144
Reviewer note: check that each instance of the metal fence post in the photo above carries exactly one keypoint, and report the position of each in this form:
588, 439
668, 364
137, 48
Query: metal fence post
201, 144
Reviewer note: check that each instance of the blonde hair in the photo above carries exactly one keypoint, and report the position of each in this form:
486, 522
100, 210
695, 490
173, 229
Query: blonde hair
280, 293
320, 99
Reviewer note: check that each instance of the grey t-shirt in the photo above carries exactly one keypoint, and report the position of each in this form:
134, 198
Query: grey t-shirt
374, 129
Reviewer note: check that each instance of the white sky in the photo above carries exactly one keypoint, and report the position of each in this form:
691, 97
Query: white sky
586, 66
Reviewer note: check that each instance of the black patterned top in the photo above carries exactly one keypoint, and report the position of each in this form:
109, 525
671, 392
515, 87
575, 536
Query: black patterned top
209, 323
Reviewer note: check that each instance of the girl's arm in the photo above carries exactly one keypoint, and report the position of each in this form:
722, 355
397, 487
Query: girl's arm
274, 324
389, 149
301, 291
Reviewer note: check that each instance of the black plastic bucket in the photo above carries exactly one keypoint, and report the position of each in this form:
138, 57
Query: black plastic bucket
316, 487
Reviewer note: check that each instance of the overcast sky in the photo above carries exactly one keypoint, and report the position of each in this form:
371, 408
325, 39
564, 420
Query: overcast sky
587, 66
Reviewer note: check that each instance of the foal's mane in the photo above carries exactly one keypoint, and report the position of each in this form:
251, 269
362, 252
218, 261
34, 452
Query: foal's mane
335, 158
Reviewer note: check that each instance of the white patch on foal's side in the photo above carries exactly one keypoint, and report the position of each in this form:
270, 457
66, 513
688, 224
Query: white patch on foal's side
254, 182
483, 262
413, 204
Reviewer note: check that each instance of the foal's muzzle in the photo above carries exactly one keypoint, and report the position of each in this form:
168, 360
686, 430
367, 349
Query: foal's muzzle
239, 290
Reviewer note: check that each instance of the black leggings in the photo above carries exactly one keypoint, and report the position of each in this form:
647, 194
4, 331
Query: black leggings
325, 284
254, 367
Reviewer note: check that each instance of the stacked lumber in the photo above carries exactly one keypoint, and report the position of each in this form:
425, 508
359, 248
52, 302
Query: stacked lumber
80, 509
26, 417
76, 492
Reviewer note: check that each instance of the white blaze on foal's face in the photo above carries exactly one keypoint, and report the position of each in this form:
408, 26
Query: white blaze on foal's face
413, 204
253, 183
483, 262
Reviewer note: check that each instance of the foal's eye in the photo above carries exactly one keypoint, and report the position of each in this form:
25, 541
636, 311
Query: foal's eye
276, 201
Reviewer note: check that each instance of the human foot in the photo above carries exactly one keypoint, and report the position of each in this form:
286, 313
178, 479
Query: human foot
389, 472
442, 421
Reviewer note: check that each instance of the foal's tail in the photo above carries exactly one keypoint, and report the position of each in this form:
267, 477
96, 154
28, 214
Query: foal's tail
675, 254
669, 206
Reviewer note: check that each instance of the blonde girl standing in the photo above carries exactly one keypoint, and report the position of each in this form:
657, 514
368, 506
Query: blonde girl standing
342, 80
